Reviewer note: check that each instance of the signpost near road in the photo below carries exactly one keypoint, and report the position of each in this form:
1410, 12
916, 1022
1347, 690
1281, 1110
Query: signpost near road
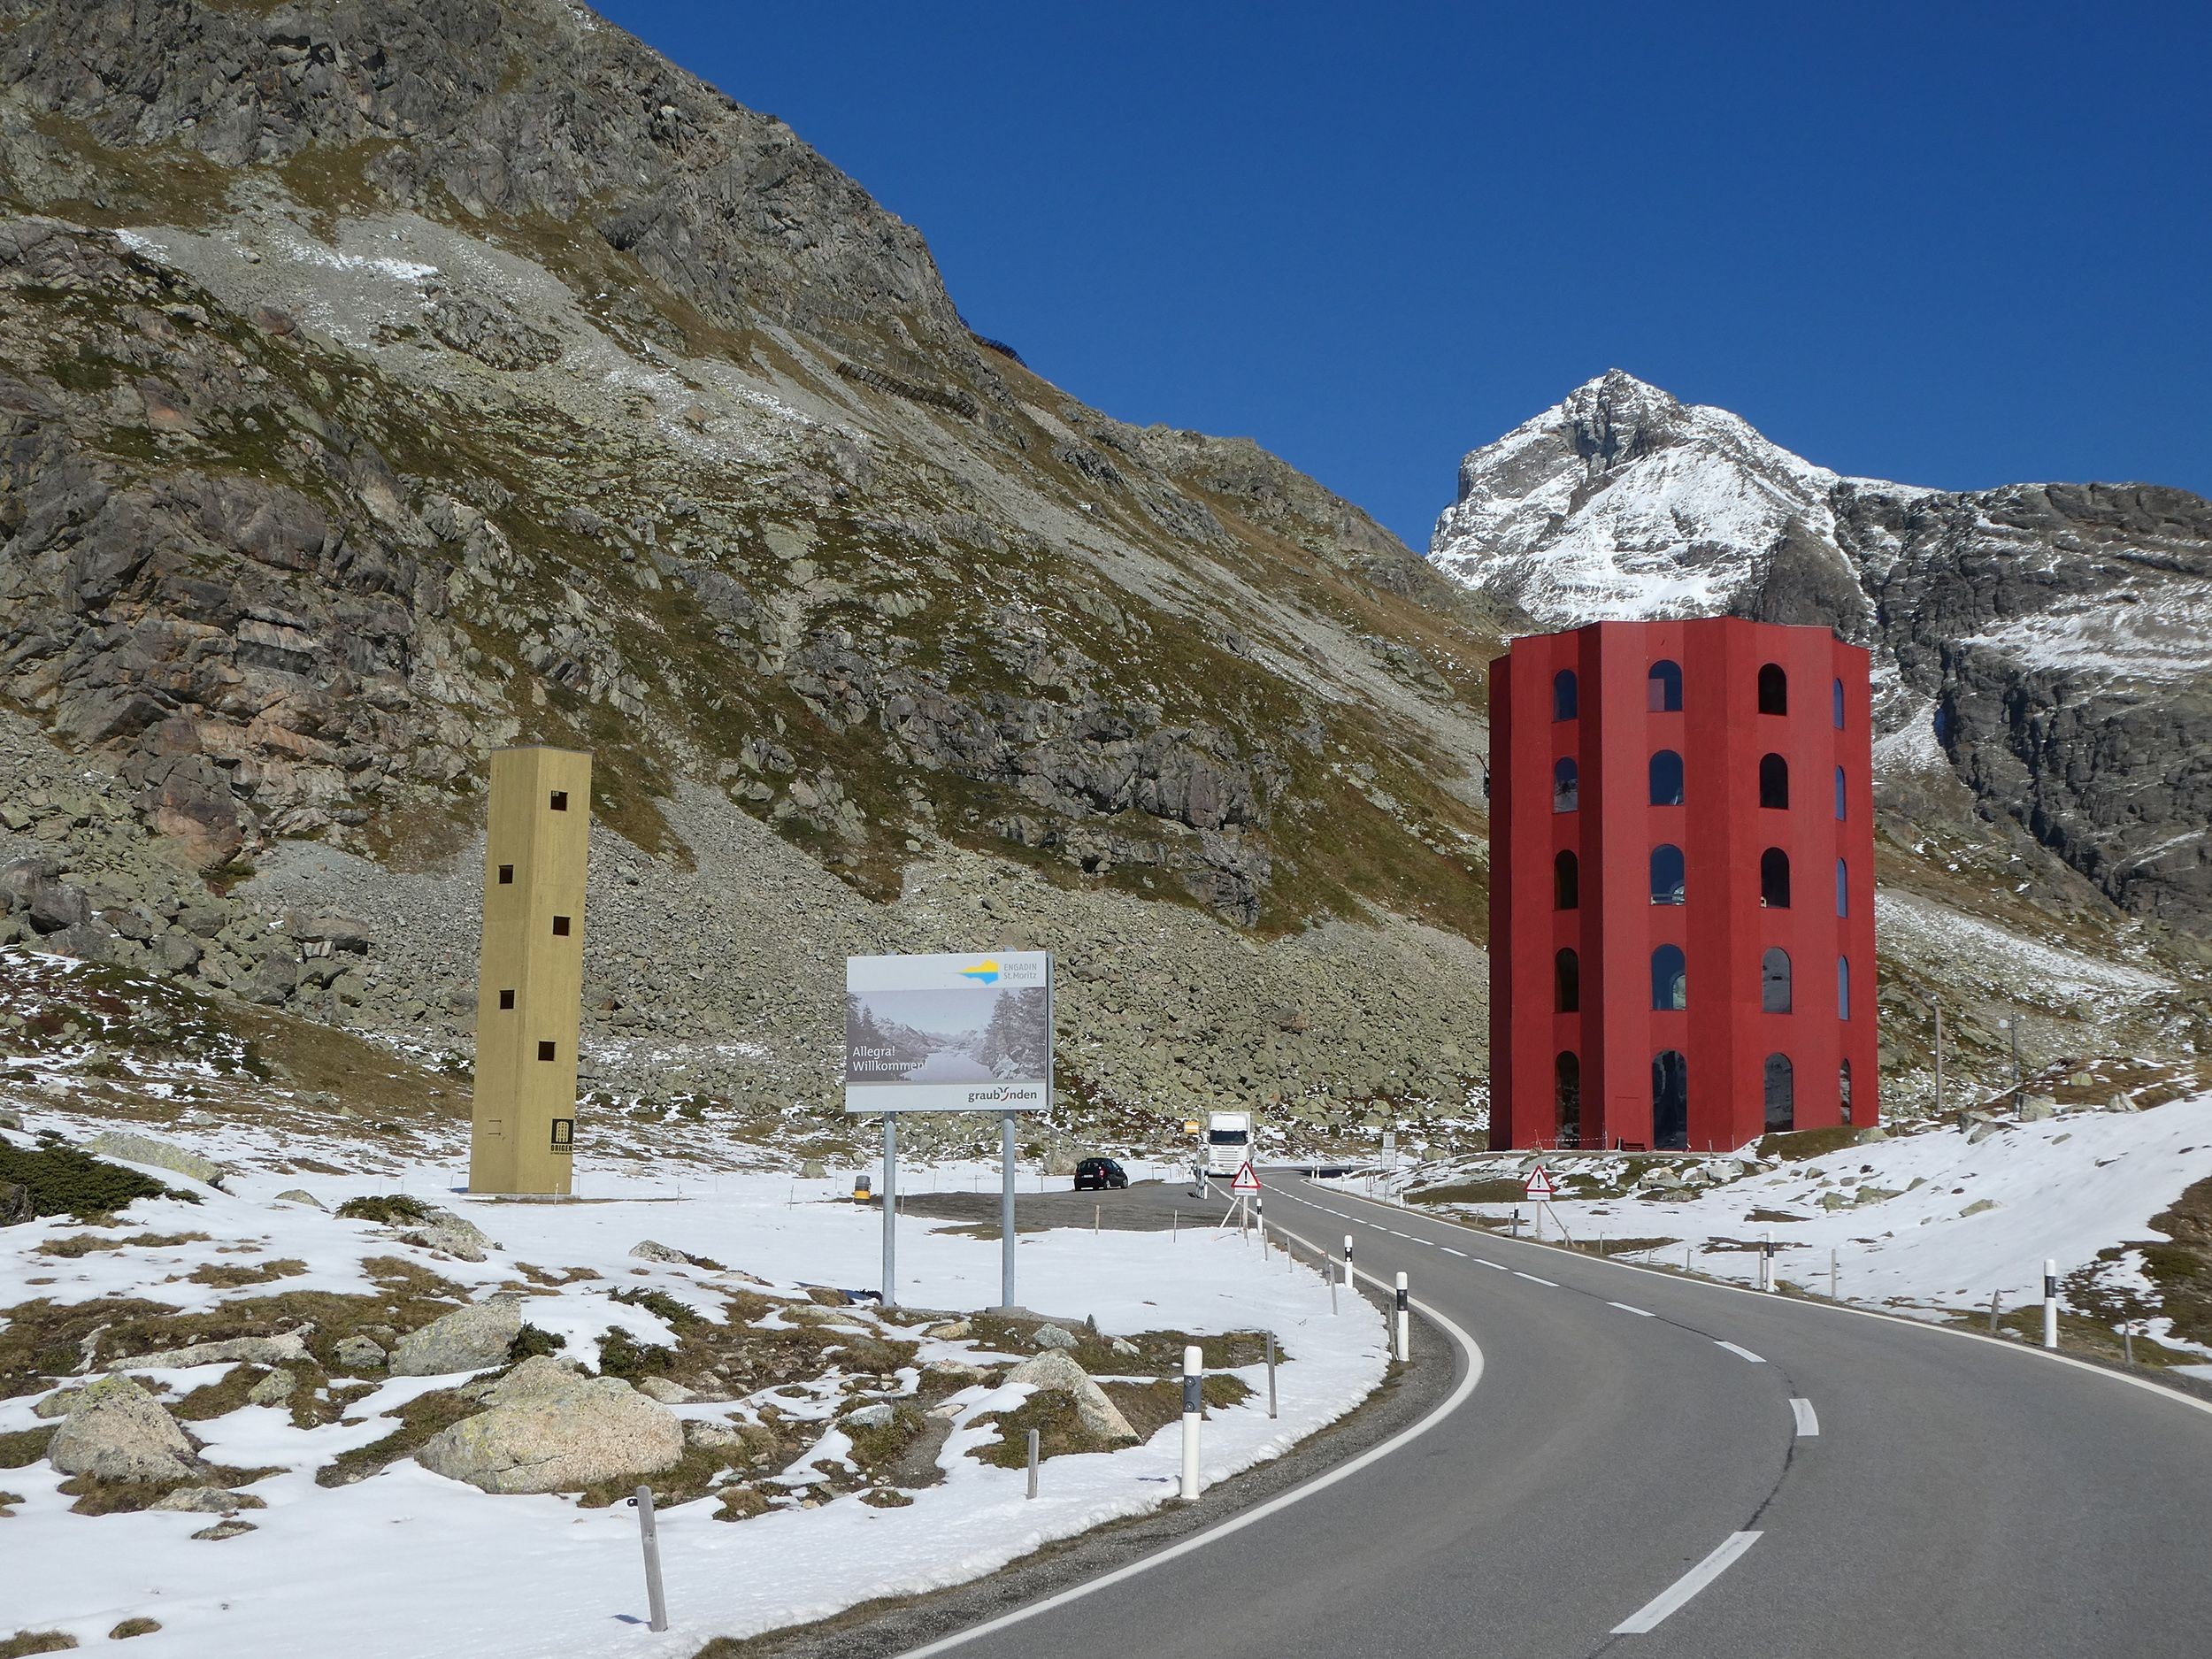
1540, 1187
1245, 1187
949, 1033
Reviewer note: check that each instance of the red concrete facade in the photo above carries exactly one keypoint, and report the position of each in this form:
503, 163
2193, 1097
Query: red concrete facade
1720, 806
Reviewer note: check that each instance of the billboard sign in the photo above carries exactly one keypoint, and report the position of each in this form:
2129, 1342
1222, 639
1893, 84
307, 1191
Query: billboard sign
949, 1033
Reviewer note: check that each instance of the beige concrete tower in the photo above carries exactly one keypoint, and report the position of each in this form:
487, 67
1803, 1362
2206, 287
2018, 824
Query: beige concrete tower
529, 990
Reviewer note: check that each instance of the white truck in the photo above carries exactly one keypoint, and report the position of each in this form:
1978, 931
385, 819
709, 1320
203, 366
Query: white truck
1229, 1141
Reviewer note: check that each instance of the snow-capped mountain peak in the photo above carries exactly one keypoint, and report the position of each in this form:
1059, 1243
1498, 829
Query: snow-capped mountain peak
1621, 501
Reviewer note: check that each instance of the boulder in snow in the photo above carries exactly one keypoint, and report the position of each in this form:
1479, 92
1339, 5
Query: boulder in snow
133, 1148
1054, 1372
473, 1338
288, 1348
208, 1500
1053, 1336
116, 1430
552, 1429
299, 1196
358, 1354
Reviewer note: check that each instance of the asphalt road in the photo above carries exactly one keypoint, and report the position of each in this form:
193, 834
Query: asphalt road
1952, 1497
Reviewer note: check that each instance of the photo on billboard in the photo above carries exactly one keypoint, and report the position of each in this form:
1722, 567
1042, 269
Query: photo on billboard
948, 1033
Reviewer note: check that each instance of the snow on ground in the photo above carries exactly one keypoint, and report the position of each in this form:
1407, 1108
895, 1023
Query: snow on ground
2062, 1188
409, 1562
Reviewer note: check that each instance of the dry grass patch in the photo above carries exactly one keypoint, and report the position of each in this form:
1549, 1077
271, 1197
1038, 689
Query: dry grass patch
419, 1418
78, 1244
42, 1340
24, 1448
222, 1277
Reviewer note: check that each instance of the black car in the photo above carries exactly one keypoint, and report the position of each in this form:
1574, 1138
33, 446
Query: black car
1101, 1174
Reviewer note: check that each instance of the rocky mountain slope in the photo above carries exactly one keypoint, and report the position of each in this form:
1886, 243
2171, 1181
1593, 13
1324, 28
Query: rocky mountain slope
2053, 640
380, 383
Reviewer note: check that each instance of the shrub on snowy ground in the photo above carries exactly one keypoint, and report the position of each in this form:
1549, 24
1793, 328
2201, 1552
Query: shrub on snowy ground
59, 1180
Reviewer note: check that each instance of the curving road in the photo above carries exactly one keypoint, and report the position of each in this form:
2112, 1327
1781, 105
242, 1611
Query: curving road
1653, 1466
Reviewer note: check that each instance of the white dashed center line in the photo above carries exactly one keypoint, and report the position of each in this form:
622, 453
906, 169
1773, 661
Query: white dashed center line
1807, 1422
1534, 1280
1641, 1313
1647, 1618
1744, 1353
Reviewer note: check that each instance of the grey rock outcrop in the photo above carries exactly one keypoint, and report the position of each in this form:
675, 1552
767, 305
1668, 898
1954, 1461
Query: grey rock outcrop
358, 1354
1054, 1372
450, 1234
116, 1430
473, 1338
136, 1149
550, 1429
208, 1500
288, 1347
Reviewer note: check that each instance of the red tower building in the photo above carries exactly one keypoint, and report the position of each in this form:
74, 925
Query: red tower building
1682, 886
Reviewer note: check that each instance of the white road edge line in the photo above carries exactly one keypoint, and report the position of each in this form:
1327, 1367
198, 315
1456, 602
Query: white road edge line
1741, 1353
1807, 1420
1644, 1313
1259, 1512
1653, 1612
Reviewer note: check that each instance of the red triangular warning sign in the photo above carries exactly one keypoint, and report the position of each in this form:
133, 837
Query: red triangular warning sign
1540, 1185
1246, 1181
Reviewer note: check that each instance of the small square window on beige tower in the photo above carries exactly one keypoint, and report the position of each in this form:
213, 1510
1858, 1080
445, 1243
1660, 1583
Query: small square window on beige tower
535, 854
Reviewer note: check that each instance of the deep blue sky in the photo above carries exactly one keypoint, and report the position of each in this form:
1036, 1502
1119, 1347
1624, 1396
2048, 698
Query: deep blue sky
1946, 244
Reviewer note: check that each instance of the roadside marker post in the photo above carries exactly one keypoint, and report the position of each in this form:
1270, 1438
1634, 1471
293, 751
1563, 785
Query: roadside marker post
1033, 1463
1194, 1406
656, 1603
1270, 1374
2050, 1304
1347, 1261
1996, 1297
1766, 1261
1404, 1321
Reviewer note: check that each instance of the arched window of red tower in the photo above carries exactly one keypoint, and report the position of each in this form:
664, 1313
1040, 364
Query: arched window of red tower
1566, 982
1565, 698
1566, 790
1663, 688
1670, 978
1666, 874
1839, 812
1781, 1094
1666, 778
1566, 882
1774, 782
1843, 888
1838, 711
1567, 1097
1774, 879
1843, 1088
1774, 689
1774, 981
1843, 987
